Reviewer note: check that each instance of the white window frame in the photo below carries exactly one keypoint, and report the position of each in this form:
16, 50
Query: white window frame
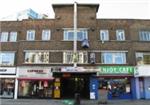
4, 55
141, 56
114, 56
29, 35
13, 37
67, 31
104, 35
144, 35
36, 59
46, 34
4, 37
120, 35
81, 57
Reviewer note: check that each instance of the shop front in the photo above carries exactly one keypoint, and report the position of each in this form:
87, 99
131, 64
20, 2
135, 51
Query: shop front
7, 82
116, 82
70, 81
142, 75
35, 82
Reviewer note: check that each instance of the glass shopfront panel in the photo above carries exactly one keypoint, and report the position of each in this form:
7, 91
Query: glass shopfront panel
7, 87
35, 88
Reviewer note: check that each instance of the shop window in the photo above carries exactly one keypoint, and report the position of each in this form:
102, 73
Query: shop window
7, 58
81, 34
37, 57
7, 87
114, 57
80, 57
143, 58
35, 88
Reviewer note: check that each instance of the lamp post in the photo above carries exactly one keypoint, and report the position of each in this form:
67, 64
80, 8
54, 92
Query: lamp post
75, 35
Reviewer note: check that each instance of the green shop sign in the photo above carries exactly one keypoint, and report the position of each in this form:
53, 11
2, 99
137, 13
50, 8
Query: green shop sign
116, 70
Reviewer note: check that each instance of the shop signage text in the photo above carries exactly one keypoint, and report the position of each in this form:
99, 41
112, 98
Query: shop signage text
116, 70
5, 70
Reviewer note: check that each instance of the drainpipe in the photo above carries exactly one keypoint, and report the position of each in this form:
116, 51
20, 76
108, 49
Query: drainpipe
75, 33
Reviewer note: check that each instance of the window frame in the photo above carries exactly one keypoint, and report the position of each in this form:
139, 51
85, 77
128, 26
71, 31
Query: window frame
113, 56
104, 35
81, 55
6, 57
11, 36
4, 37
120, 35
30, 32
144, 35
67, 31
47, 33
29, 54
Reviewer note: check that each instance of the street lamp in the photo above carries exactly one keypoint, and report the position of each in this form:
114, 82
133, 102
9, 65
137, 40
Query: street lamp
75, 36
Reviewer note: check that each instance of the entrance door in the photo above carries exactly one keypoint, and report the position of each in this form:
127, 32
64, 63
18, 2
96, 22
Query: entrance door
70, 86
141, 84
103, 90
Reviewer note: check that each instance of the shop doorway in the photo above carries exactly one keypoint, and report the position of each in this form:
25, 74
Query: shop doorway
141, 85
115, 88
70, 86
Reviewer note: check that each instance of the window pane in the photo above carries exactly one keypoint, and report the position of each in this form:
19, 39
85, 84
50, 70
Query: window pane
104, 36
144, 35
46, 35
4, 37
30, 34
120, 35
7, 59
69, 35
13, 36
37, 57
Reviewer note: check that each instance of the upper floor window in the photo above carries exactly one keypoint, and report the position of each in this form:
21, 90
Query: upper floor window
144, 35
104, 35
30, 35
37, 57
120, 35
143, 58
114, 57
7, 58
81, 34
46, 34
4, 37
13, 36
69, 57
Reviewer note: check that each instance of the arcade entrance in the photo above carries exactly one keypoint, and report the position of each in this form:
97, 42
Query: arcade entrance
68, 83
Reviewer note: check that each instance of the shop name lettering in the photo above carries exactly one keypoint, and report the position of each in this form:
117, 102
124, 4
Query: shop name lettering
116, 70
3, 70
35, 71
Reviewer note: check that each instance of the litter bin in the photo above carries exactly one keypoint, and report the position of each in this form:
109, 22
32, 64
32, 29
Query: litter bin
77, 99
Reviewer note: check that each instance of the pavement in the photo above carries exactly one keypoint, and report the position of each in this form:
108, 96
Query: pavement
70, 102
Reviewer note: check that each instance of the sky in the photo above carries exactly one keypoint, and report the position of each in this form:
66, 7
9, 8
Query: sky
133, 9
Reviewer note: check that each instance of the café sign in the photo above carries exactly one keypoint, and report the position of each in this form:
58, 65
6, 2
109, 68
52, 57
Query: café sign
116, 70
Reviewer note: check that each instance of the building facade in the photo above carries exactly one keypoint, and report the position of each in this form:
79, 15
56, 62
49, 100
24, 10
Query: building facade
37, 56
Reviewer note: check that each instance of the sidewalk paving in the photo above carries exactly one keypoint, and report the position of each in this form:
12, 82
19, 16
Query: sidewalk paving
61, 102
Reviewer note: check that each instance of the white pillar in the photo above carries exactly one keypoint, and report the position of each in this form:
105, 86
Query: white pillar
16, 89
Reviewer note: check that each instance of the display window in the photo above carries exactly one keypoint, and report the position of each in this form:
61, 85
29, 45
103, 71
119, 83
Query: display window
116, 87
35, 88
7, 87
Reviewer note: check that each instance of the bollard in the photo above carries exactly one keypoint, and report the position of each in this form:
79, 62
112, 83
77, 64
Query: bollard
77, 99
